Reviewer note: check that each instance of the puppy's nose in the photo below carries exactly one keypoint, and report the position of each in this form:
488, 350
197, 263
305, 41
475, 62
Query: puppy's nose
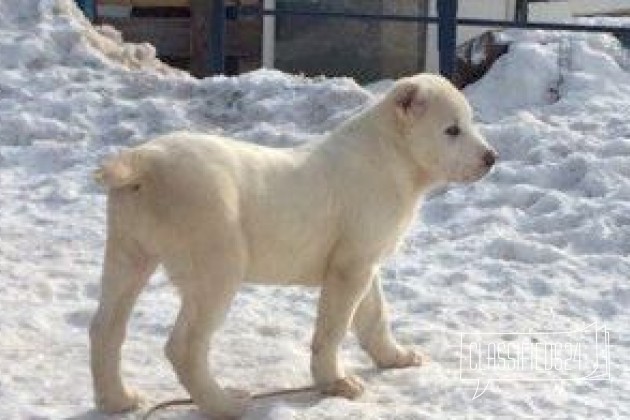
489, 158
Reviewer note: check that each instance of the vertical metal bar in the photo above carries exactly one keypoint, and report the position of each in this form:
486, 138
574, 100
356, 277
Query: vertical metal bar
88, 7
521, 12
207, 37
423, 36
447, 36
269, 36
217, 37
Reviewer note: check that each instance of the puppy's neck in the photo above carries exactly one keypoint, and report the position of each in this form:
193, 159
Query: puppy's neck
375, 133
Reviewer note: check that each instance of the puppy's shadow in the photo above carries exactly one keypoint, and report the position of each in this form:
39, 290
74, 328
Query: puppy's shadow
258, 409
184, 413
367, 373
263, 408
97, 415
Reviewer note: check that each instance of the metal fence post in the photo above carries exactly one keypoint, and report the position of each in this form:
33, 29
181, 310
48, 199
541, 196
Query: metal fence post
88, 7
217, 37
447, 36
207, 37
521, 12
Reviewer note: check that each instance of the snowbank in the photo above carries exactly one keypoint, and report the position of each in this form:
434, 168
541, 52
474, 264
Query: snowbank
541, 244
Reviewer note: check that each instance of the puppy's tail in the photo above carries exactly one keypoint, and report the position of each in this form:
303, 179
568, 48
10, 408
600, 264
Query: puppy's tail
118, 171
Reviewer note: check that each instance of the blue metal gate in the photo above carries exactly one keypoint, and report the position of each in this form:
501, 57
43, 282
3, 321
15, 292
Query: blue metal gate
88, 7
446, 20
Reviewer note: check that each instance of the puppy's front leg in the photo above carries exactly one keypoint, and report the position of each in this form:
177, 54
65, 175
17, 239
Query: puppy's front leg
371, 325
340, 296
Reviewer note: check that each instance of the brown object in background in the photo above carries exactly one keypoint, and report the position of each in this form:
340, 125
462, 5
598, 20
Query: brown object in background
476, 56
181, 39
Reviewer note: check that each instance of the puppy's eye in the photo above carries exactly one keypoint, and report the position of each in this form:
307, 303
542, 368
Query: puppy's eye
453, 131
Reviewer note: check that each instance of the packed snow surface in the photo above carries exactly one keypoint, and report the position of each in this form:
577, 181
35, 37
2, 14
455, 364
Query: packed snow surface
541, 244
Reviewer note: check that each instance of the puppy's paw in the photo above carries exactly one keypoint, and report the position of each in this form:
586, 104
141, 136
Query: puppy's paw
119, 402
231, 407
350, 387
405, 358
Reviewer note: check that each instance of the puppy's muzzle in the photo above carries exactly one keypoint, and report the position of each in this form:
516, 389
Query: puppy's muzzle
490, 158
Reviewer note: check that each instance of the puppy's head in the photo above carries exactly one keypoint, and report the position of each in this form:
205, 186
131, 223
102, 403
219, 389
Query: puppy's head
435, 122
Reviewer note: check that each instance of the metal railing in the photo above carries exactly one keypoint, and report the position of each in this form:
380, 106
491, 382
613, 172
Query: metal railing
446, 20
88, 7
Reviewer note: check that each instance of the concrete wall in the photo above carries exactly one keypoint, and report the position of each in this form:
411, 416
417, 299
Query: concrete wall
367, 50
583, 7
549, 12
403, 44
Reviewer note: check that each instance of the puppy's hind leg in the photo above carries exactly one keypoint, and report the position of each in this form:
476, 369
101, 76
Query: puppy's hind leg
207, 289
126, 269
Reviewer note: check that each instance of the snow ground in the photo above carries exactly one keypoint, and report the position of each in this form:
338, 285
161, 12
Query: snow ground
541, 244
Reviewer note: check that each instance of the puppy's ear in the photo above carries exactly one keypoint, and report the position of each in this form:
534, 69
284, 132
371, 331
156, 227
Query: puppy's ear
410, 101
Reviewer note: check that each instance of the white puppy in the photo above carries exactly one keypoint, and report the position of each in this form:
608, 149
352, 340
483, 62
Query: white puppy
217, 212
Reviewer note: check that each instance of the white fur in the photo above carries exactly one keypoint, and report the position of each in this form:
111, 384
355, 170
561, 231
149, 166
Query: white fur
216, 212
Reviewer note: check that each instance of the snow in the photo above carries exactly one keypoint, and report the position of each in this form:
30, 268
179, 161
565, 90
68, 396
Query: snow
541, 244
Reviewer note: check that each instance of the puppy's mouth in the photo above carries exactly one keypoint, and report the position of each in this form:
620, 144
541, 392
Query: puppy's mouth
474, 175
471, 173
